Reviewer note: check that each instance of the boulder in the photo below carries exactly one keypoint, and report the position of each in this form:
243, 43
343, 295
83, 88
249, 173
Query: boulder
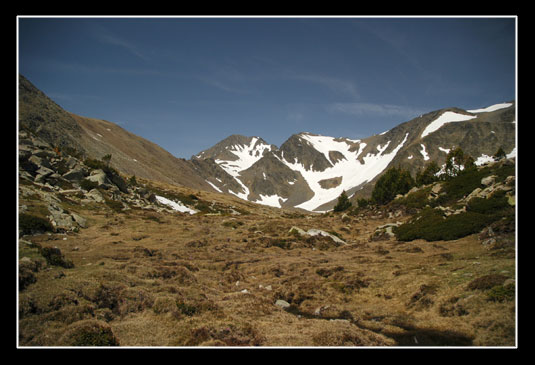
75, 174
42, 173
489, 180
297, 230
99, 176
315, 232
282, 304
38, 161
95, 195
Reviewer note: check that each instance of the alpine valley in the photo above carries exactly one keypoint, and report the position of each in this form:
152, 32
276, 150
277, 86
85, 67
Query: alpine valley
120, 243
308, 171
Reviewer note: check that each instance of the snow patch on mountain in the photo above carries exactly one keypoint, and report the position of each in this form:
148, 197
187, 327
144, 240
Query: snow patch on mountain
178, 206
247, 156
424, 152
446, 117
491, 108
271, 200
352, 171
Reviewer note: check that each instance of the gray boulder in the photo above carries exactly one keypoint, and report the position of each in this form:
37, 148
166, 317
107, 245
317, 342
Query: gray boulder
95, 195
75, 174
99, 176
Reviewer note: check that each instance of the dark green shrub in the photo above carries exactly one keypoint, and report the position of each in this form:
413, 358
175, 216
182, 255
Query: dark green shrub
343, 203
88, 184
54, 257
114, 205
363, 202
427, 176
499, 154
496, 203
30, 224
132, 180
431, 225
460, 186
487, 282
501, 293
187, 309
417, 199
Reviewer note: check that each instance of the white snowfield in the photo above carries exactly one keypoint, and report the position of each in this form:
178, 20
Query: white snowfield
271, 200
351, 170
176, 206
446, 117
247, 157
491, 108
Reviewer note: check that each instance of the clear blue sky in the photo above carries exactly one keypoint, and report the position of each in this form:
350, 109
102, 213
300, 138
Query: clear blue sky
187, 83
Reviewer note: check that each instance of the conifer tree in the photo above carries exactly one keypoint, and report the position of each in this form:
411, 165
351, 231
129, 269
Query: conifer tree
343, 203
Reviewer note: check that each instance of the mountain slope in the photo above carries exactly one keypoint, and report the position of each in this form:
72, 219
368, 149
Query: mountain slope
94, 138
310, 171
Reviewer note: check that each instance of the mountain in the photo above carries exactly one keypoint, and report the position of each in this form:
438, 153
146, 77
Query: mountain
94, 138
308, 171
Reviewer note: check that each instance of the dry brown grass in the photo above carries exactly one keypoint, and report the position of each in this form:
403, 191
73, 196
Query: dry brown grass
170, 279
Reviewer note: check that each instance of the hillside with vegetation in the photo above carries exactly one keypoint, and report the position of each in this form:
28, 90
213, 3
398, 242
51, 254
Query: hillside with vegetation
113, 259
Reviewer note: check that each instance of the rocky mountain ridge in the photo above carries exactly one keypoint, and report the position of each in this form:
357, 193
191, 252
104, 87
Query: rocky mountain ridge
308, 171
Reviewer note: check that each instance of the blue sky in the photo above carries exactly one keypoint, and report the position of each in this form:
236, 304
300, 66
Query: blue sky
187, 83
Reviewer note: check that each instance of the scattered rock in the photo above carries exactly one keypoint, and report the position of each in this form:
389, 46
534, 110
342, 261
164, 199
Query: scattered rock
489, 180
282, 303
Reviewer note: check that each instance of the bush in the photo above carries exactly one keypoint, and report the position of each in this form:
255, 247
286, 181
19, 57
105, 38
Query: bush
456, 159
431, 225
30, 224
54, 257
492, 205
501, 293
487, 282
428, 176
343, 203
88, 184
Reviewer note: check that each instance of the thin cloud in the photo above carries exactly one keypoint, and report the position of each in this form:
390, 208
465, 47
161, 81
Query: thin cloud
332, 83
381, 110
107, 37
223, 85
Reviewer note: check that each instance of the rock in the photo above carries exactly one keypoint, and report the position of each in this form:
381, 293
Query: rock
436, 189
315, 232
510, 180
119, 182
60, 219
75, 174
95, 195
38, 161
282, 303
99, 177
81, 221
384, 232
42, 173
489, 180
297, 230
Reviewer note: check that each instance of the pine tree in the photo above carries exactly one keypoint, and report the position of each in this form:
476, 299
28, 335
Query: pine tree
343, 203
393, 182
499, 154
428, 176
